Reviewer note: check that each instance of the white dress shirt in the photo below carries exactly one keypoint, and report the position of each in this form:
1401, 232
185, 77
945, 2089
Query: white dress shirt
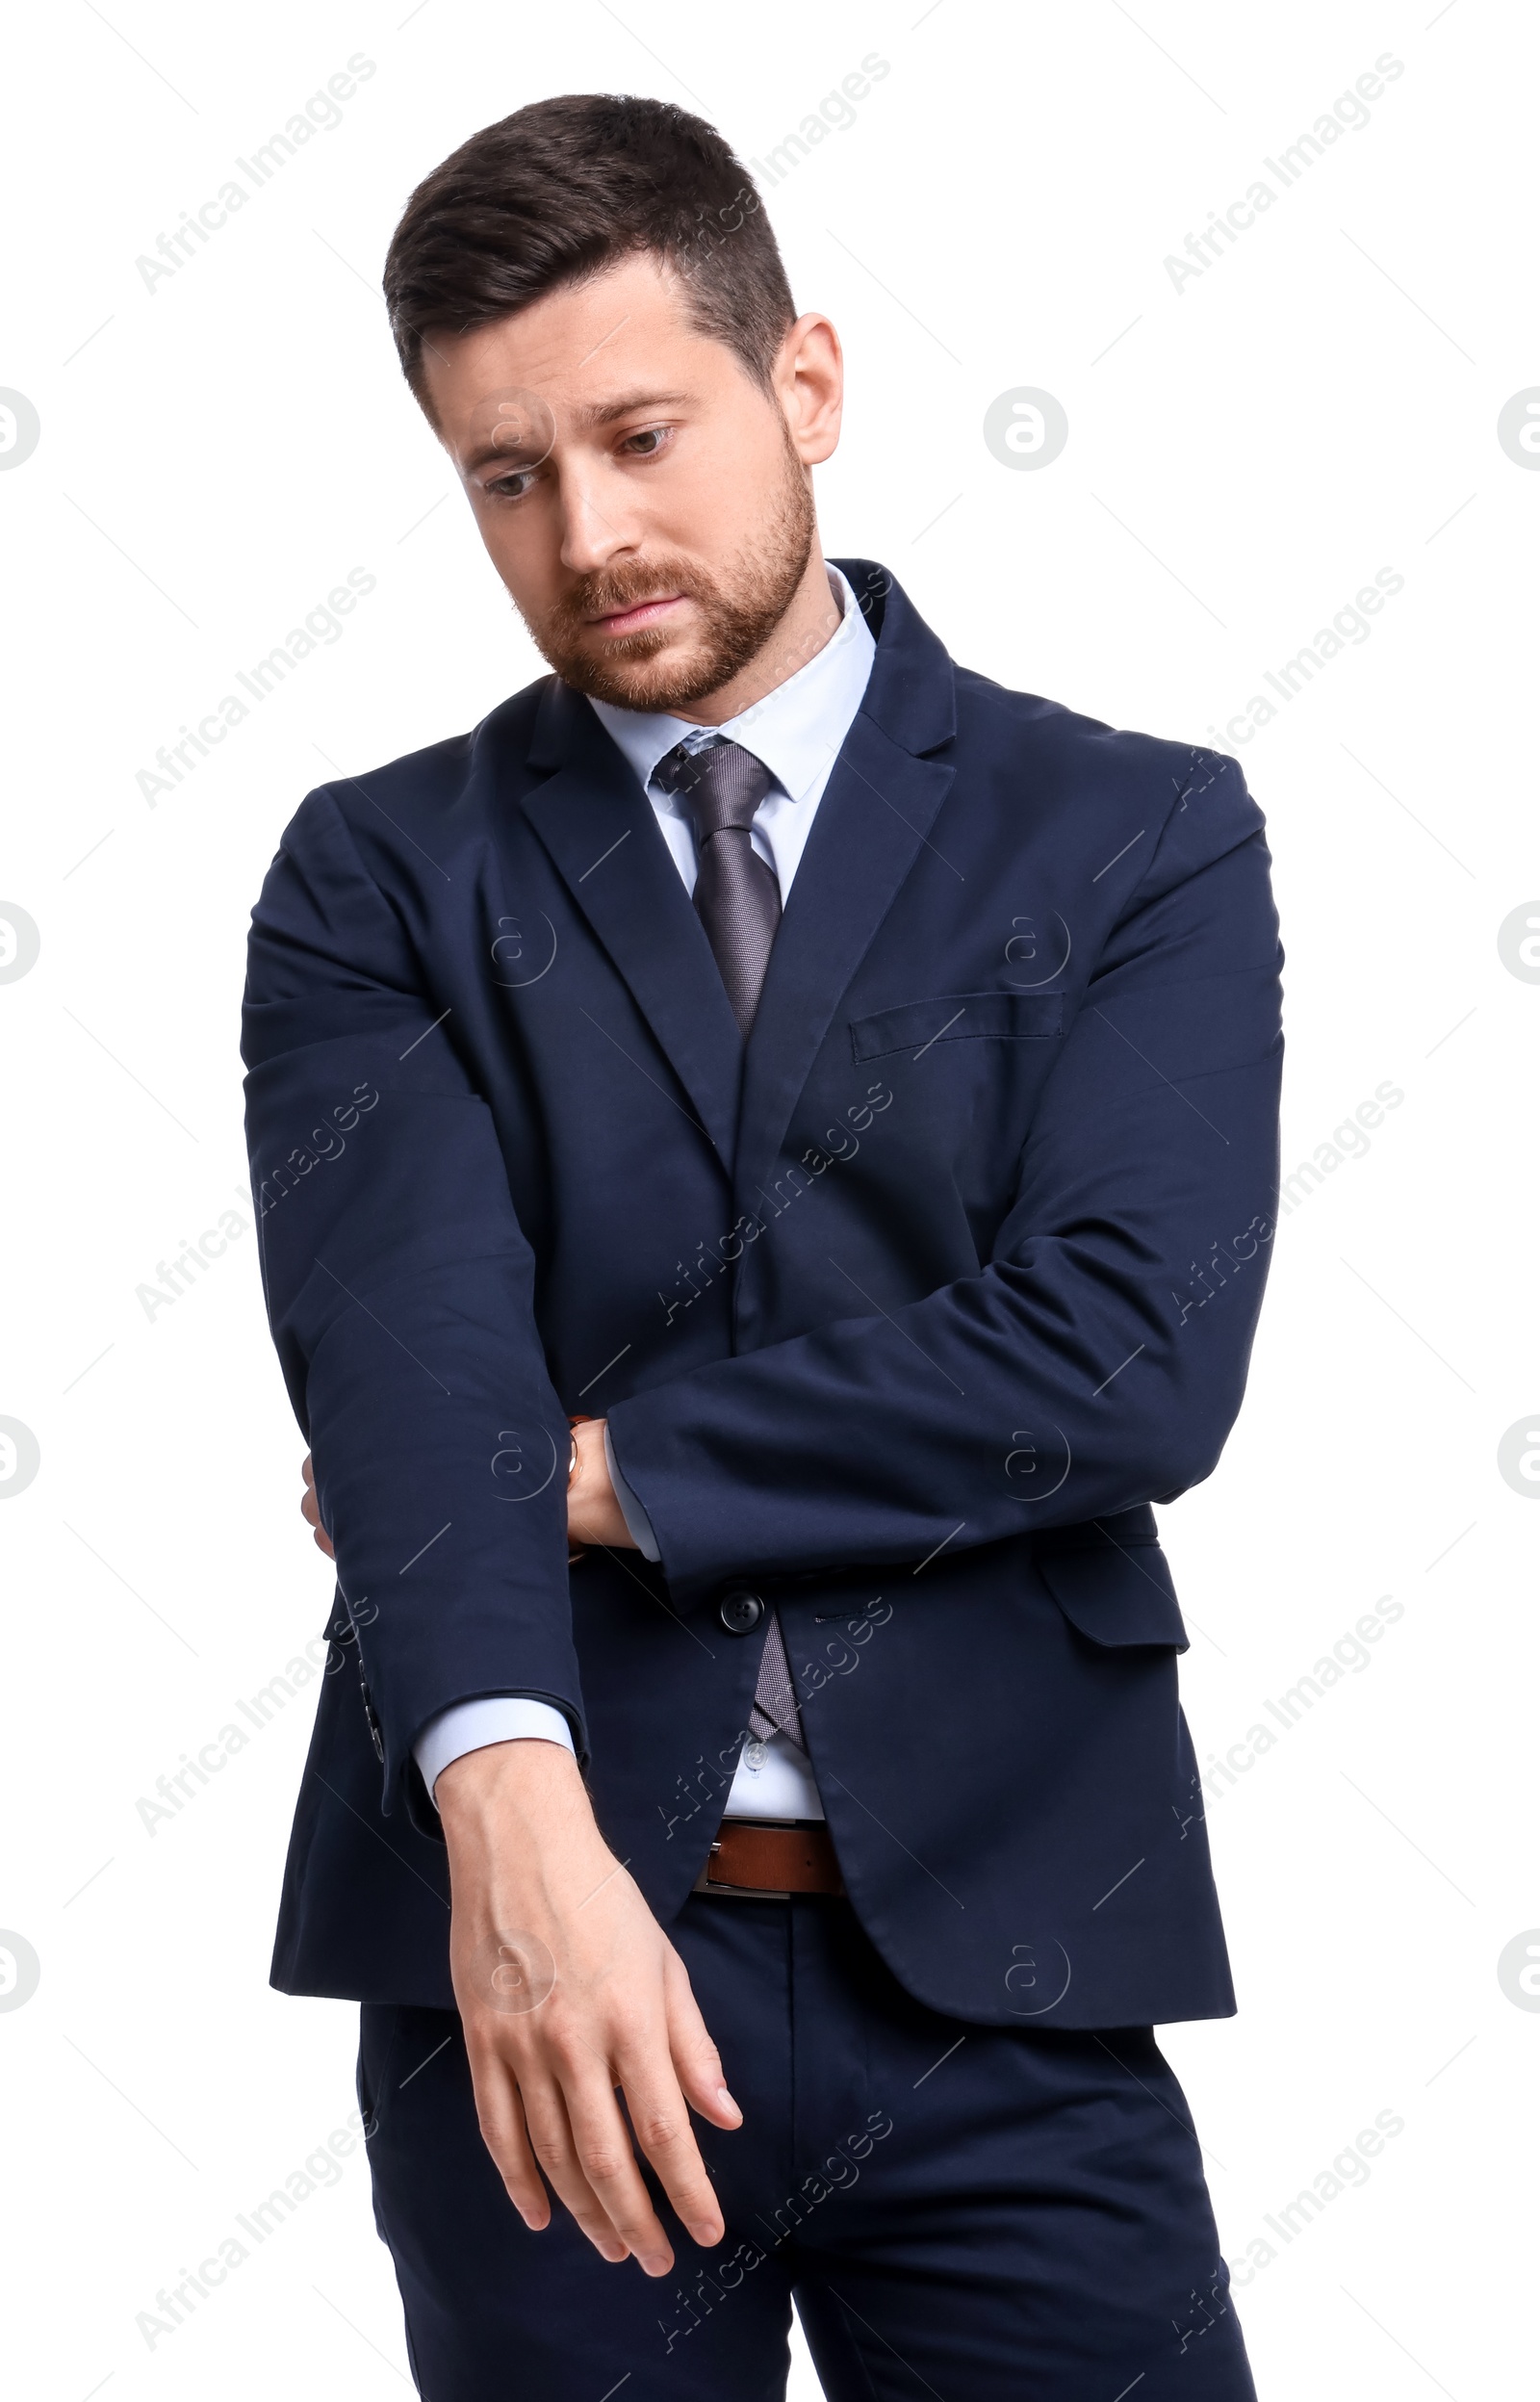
797, 731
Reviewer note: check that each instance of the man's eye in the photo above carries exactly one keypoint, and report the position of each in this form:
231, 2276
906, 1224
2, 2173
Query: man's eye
512, 486
654, 437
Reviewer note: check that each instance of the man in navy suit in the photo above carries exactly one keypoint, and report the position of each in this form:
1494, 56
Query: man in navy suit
764, 1151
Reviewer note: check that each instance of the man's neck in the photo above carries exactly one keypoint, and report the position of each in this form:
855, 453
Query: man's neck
811, 618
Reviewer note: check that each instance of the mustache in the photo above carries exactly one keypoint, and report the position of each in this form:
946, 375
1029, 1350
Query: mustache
626, 586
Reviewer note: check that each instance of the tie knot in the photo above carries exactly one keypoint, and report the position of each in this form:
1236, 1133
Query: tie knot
721, 785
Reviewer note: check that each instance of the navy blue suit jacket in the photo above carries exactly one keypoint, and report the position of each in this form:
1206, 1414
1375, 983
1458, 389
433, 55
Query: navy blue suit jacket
902, 1314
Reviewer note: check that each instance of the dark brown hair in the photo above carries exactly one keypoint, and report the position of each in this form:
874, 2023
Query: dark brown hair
567, 187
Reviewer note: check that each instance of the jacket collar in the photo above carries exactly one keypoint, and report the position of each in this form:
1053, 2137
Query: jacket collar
910, 692
796, 729
872, 822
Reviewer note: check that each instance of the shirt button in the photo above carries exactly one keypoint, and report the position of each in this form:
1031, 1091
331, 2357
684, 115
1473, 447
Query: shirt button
740, 1612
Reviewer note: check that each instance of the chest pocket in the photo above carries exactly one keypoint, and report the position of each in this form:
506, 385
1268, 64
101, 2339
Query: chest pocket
958, 1018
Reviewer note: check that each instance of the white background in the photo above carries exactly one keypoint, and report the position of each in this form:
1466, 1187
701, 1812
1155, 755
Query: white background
1243, 454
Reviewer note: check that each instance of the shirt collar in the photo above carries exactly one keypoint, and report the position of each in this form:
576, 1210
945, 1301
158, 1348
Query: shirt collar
796, 729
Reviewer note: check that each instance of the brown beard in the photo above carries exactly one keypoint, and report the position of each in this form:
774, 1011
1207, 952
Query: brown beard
740, 611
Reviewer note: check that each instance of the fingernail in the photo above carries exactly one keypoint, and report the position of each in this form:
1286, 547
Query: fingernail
726, 2100
706, 2236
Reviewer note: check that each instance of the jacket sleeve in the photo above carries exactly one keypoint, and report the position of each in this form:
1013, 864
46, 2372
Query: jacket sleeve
1098, 1357
399, 1291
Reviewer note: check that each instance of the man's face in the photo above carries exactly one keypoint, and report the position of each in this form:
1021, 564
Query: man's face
646, 503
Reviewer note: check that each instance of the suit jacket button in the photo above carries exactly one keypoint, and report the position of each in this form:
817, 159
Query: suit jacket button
739, 1611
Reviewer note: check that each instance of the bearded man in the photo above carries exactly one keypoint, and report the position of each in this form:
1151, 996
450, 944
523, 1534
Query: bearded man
764, 1150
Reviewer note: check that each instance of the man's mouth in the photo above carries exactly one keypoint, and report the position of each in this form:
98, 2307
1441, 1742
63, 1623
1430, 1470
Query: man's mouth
640, 616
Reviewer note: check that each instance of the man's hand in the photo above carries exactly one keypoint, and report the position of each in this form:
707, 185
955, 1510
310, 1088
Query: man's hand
593, 1514
567, 1989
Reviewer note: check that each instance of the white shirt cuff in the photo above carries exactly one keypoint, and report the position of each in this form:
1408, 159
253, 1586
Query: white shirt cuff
493, 1719
638, 1525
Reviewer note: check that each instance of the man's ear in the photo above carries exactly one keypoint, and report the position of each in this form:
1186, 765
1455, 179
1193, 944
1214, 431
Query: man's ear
810, 380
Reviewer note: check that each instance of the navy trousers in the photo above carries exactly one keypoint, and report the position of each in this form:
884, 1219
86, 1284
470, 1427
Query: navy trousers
964, 2212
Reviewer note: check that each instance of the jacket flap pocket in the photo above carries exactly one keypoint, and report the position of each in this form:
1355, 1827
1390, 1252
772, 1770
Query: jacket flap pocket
958, 1018
1117, 1596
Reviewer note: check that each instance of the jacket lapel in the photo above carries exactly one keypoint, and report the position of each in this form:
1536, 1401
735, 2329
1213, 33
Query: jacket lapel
872, 822
605, 839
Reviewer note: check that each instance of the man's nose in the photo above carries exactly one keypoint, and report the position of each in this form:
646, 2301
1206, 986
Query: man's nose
591, 537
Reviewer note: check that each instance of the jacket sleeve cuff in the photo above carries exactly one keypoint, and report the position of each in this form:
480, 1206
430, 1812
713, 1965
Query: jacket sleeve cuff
638, 1525
492, 1719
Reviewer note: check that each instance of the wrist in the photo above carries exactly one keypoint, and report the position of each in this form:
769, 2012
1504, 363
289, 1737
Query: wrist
518, 1825
522, 1779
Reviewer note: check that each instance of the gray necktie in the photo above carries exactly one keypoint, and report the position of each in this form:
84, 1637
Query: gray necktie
736, 895
738, 901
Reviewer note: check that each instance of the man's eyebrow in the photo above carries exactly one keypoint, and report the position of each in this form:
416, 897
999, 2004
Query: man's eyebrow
605, 412
586, 420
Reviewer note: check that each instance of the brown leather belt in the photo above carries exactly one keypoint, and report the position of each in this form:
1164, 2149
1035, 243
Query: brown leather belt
773, 1860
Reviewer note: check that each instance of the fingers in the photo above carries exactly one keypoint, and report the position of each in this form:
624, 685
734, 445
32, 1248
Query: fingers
662, 2123
310, 1509
697, 2062
312, 1517
561, 2112
581, 2142
501, 2118
568, 2127
594, 1515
